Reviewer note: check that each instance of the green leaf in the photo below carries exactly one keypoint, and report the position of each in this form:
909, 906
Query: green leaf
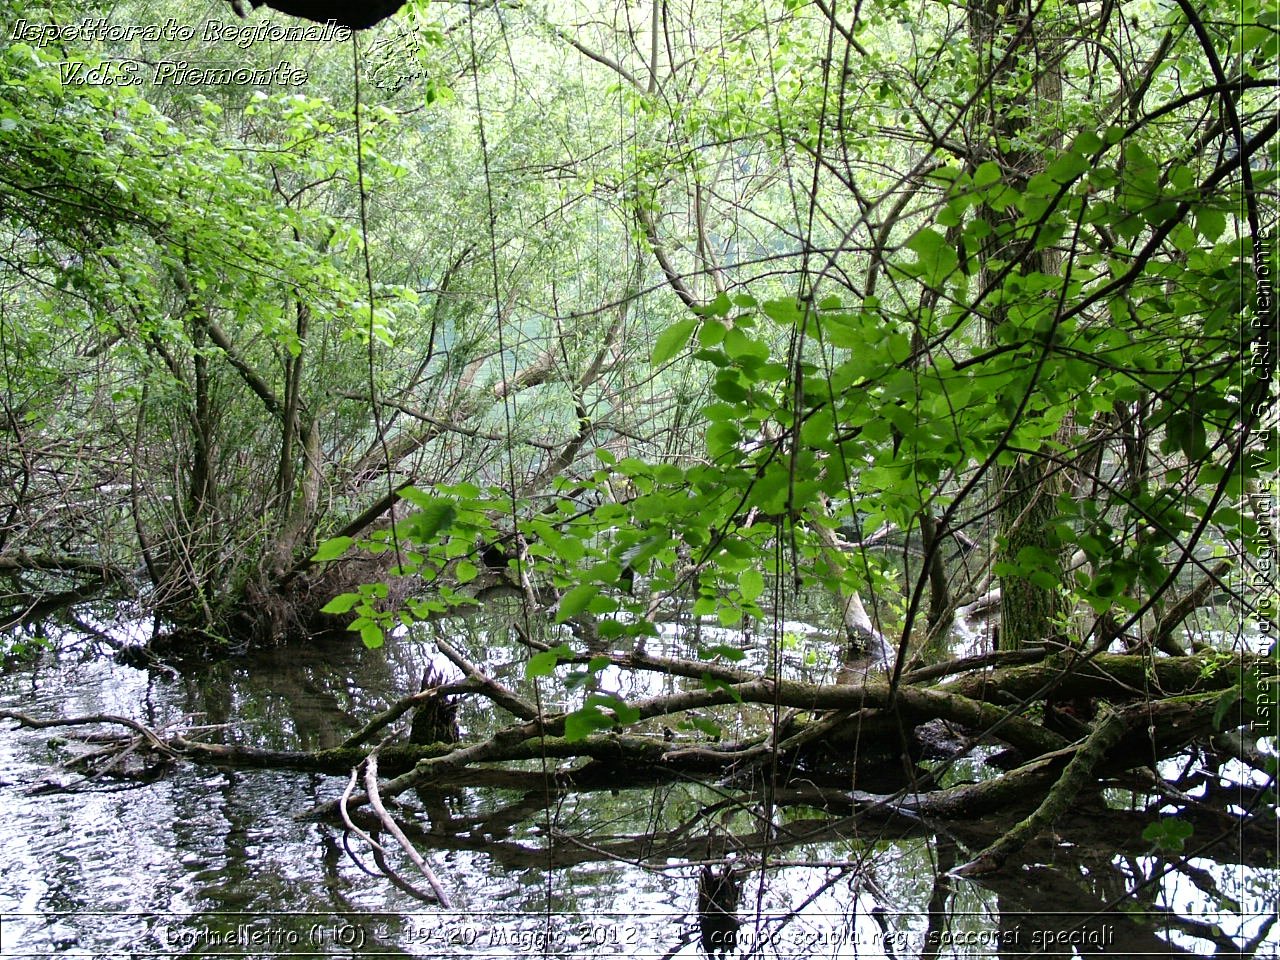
986, 174
592, 717
672, 340
727, 387
466, 571
711, 684
784, 312
582, 723
709, 727
751, 584
623, 713
1170, 834
332, 549
1210, 223
602, 604
1225, 703
1067, 167
937, 257
576, 600
436, 516
721, 438
742, 348
719, 307
342, 603
372, 636
710, 334
419, 498
1087, 142
543, 663
729, 616
1187, 431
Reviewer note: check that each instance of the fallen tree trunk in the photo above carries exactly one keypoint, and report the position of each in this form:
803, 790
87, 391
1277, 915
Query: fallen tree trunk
842, 731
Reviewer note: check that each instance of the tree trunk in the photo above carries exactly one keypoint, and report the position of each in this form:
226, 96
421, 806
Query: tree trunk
1010, 44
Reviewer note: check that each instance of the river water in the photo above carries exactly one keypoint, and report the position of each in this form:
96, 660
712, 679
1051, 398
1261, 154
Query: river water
203, 862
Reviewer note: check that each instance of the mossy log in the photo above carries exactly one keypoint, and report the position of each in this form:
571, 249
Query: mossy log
834, 734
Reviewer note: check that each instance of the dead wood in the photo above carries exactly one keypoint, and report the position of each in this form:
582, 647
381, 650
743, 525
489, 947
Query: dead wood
834, 733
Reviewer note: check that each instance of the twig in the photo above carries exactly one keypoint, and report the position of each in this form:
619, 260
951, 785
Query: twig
1163, 636
488, 686
375, 801
146, 732
379, 852
389, 716
343, 801
379, 857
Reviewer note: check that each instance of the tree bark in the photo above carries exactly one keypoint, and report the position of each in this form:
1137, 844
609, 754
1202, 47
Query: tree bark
1009, 40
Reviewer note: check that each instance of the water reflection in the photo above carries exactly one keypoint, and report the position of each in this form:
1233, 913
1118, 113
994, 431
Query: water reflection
206, 861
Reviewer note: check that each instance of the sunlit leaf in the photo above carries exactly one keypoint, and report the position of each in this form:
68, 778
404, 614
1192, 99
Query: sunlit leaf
332, 549
672, 340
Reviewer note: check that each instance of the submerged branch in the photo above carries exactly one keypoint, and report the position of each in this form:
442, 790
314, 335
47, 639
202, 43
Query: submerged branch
375, 801
837, 732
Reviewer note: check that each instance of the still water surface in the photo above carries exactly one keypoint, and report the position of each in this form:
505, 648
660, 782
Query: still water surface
209, 862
